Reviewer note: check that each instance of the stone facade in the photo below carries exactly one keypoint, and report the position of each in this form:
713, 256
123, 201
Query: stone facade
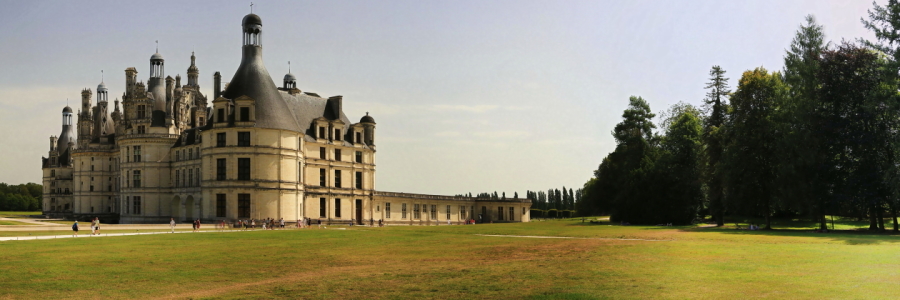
255, 151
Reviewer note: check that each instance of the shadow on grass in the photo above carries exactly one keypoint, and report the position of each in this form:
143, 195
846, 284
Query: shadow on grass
849, 237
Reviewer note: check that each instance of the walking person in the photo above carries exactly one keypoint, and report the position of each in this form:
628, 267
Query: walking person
172, 224
198, 224
253, 223
93, 226
97, 227
282, 223
75, 229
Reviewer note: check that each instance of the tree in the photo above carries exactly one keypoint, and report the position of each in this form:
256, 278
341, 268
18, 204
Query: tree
679, 170
751, 152
803, 170
714, 140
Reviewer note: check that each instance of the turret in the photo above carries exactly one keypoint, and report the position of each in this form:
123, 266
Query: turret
368, 129
130, 81
193, 72
290, 81
68, 135
155, 84
86, 102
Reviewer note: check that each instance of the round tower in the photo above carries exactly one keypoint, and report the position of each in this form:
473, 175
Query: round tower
193, 72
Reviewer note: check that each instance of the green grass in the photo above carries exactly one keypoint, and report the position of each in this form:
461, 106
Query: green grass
4, 222
18, 214
453, 262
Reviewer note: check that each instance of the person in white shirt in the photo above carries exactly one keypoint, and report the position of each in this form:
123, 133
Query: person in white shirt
172, 224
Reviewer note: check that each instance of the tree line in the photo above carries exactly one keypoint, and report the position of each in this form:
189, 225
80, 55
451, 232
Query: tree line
20, 197
820, 137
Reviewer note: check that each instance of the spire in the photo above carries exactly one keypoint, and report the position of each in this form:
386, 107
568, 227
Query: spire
251, 7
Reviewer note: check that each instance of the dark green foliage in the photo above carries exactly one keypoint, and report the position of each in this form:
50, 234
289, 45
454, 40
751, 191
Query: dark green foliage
20, 197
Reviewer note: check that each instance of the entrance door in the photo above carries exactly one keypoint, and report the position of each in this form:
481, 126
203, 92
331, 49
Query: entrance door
359, 219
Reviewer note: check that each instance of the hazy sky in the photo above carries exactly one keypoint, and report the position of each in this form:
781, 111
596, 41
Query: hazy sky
469, 96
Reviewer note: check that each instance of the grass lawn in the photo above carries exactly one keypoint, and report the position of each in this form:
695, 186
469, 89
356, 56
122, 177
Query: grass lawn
456, 262
4, 222
18, 214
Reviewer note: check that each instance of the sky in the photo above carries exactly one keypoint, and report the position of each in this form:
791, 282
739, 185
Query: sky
469, 96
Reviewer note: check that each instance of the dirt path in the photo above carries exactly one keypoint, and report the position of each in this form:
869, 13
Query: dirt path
27, 220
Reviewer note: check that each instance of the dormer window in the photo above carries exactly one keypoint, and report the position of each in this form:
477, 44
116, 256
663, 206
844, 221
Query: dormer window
358, 138
141, 111
245, 114
321, 132
220, 116
337, 134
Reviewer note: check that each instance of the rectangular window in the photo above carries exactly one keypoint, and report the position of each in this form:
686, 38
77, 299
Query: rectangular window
220, 139
416, 214
462, 212
197, 183
141, 129
243, 205
321, 132
190, 177
512, 212
337, 178
220, 205
92, 188
448, 212
136, 205
358, 140
322, 152
177, 178
321, 207
220, 115
220, 169
321, 177
141, 112
359, 156
190, 154
245, 114
359, 180
243, 169
387, 210
434, 212
499, 213
137, 153
136, 178
337, 134
337, 208
403, 211
337, 154
243, 139
177, 157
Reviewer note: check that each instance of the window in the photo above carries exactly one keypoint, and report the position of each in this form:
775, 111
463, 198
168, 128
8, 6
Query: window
243, 169
220, 139
245, 114
141, 129
52, 173
321, 177
220, 205
243, 139
136, 205
220, 169
448, 212
523, 211
416, 214
462, 211
337, 178
220, 115
337, 154
183, 178
243, 205
387, 210
434, 212
359, 180
512, 212
136, 178
322, 152
201, 122
92, 188
359, 156
190, 154
321, 207
177, 178
141, 111
403, 211
177, 156
358, 140
127, 154
321, 132
337, 208
500, 213
337, 134
197, 183
137, 153
92, 167
190, 177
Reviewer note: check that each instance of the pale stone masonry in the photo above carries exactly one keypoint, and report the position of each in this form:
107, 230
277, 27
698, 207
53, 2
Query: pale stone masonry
254, 151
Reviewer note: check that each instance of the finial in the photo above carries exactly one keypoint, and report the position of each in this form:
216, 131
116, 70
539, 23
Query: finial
367, 113
251, 7
157, 46
101, 76
289, 66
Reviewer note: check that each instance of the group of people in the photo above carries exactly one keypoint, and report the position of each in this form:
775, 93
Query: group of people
268, 223
95, 227
307, 223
